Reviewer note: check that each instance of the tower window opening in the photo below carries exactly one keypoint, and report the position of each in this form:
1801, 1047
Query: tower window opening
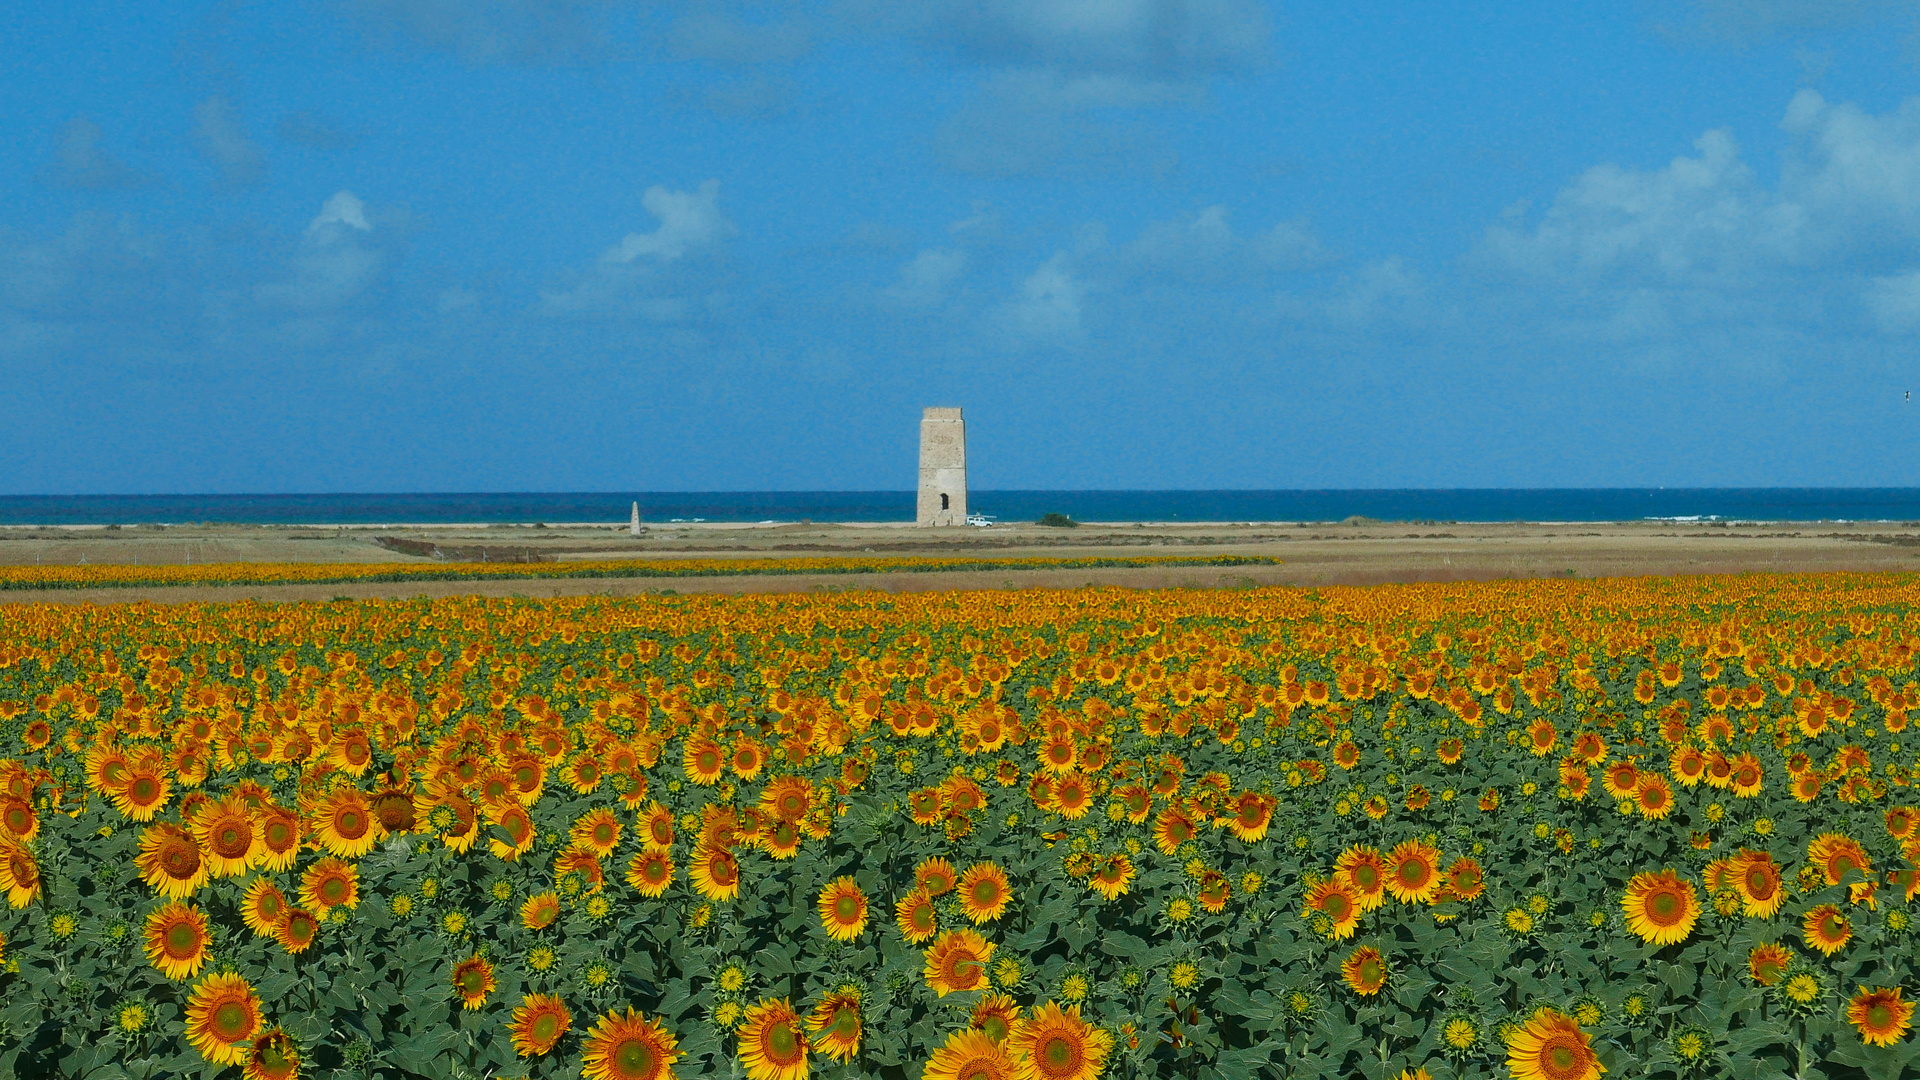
943, 502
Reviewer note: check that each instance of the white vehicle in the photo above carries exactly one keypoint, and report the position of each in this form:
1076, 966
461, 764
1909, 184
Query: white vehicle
980, 520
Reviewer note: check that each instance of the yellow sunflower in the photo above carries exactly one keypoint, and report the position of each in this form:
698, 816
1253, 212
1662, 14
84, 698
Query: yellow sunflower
983, 892
262, 907
958, 961
650, 872
1551, 1046
1760, 884
344, 824
1055, 1044
629, 1047
473, 981
1366, 871
538, 1023
273, 1056
1661, 908
1413, 872
917, 917
1364, 970
835, 1025
540, 910
843, 909
328, 884
995, 1015
177, 940
19, 874
1879, 1015
597, 831
1824, 928
1111, 875
226, 834
1767, 962
936, 875
171, 861
223, 1017
715, 873
1335, 899
970, 1055
279, 831
773, 1042
297, 930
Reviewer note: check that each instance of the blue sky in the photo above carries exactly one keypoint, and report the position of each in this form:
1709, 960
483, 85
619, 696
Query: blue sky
555, 245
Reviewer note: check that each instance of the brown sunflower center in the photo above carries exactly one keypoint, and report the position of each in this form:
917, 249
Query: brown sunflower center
351, 823
182, 940
232, 839
782, 1043
180, 860
635, 1058
1060, 1053
231, 1021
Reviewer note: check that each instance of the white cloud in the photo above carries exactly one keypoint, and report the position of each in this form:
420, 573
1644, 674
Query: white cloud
1852, 182
1048, 303
222, 139
1143, 37
1043, 121
632, 275
1895, 302
1699, 214
924, 281
718, 35
689, 221
1849, 191
1205, 247
79, 162
103, 282
335, 263
341, 208
532, 32
1746, 19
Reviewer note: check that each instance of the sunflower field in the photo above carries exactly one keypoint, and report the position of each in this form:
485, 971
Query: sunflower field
1549, 829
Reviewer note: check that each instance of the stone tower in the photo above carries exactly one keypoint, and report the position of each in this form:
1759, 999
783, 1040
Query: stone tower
943, 469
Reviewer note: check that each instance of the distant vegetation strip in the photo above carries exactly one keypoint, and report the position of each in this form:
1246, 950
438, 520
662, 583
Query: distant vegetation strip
118, 576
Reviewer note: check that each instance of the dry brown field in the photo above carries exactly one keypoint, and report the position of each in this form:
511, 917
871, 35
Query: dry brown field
1312, 554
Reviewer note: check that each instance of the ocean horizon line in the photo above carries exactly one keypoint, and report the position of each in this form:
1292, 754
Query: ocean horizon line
1427, 506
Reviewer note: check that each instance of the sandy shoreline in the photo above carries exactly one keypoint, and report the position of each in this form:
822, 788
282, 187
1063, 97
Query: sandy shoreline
1311, 553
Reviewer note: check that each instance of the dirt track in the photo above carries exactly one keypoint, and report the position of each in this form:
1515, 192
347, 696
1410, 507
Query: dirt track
1313, 554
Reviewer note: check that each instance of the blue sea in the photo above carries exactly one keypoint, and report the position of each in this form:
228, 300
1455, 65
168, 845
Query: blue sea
1421, 505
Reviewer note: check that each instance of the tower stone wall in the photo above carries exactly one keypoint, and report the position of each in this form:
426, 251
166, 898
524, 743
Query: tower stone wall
943, 469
